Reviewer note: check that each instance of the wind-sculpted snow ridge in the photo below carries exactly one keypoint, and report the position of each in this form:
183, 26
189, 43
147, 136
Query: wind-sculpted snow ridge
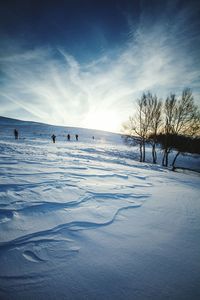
62, 204
48, 191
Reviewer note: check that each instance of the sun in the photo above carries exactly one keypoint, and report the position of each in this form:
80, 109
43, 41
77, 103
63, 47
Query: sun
103, 120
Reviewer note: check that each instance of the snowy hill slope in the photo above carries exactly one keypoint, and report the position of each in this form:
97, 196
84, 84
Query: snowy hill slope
33, 130
82, 220
41, 133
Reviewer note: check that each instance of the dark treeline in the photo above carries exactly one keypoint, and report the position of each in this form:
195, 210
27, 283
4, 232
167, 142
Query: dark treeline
174, 124
180, 143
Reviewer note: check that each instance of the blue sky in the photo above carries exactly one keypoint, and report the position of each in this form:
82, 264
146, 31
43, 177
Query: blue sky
84, 63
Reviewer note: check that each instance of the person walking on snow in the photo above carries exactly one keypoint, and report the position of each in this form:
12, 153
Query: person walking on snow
16, 134
53, 138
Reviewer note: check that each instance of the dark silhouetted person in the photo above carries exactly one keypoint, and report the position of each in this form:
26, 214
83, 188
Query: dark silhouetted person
93, 137
16, 134
68, 137
76, 137
53, 138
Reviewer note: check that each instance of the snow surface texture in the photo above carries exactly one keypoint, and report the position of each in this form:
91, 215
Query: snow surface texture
83, 220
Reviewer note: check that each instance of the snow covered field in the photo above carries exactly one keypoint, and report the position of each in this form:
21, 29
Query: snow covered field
83, 220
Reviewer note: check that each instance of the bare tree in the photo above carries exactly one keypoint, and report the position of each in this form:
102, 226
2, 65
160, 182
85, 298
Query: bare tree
141, 123
181, 118
156, 121
170, 108
130, 134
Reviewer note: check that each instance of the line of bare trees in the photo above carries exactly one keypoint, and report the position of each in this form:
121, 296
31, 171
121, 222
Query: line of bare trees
157, 121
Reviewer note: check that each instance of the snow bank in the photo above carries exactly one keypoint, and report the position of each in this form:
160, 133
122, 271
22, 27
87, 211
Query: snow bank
82, 220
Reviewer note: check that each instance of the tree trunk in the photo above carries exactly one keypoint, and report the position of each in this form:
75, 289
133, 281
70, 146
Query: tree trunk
140, 151
163, 159
165, 155
154, 156
166, 159
173, 163
143, 144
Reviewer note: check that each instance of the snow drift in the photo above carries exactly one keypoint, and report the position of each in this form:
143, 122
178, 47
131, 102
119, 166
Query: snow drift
83, 220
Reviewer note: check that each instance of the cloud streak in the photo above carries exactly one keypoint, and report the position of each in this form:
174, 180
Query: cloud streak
50, 85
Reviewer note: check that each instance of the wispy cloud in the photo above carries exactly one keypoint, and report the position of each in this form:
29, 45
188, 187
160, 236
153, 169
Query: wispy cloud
50, 85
